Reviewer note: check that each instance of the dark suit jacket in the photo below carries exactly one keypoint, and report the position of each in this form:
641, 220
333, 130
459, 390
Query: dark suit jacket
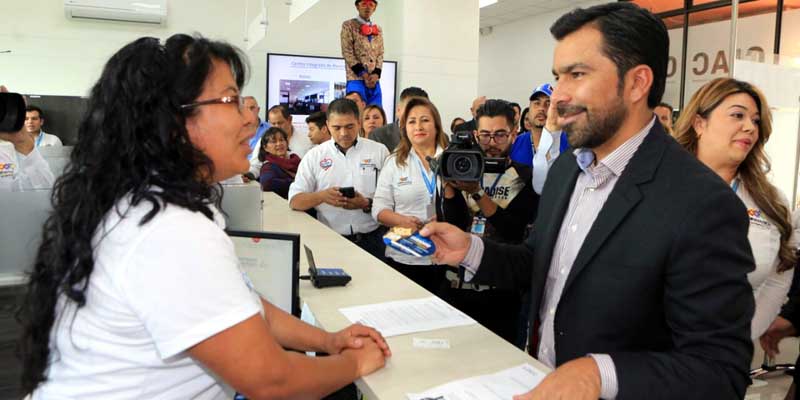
659, 283
388, 135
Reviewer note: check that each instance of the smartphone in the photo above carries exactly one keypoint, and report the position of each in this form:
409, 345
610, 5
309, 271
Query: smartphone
348, 192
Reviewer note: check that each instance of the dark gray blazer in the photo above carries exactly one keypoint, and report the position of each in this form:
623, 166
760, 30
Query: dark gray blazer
660, 282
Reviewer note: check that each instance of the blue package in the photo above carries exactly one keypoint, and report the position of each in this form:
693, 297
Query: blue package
414, 245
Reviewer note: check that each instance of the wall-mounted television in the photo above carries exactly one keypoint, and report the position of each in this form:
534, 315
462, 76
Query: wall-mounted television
307, 84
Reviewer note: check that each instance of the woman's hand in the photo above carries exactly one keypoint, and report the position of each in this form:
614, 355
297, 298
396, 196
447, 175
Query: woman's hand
367, 359
354, 337
413, 223
779, 329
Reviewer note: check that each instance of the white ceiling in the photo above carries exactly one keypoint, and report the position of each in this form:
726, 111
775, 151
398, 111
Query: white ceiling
505, 11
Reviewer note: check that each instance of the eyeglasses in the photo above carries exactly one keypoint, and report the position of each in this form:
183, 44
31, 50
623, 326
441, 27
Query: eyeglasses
238, 100
499, 137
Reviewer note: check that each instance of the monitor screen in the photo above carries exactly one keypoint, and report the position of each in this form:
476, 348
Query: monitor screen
272, 263
308, 84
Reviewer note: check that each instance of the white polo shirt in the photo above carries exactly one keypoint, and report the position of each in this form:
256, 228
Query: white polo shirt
20, 172
46, 139
155, 291
402, 189
325, 166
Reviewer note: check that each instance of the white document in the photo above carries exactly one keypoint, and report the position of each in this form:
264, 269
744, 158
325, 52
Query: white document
408, 316
503, 385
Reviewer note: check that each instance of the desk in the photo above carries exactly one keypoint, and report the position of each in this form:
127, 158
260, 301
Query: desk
474, 349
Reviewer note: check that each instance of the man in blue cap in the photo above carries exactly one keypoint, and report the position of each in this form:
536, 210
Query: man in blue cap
541, 146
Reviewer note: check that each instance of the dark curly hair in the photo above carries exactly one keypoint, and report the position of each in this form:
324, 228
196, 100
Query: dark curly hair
132, 142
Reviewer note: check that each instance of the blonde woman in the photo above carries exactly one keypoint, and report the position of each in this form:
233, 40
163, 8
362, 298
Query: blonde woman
726, 125
406, 185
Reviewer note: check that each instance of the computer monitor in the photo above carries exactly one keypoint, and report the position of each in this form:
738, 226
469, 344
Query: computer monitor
272, 262
21, 221
242, 206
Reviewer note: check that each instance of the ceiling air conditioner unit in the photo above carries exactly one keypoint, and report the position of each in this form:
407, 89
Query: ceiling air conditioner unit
139, 11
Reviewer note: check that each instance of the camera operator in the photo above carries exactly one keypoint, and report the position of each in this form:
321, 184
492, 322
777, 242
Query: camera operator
21, 165
499, 206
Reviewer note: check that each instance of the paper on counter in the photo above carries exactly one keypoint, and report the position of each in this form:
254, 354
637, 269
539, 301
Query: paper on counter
395, 318
421, 343
503, 385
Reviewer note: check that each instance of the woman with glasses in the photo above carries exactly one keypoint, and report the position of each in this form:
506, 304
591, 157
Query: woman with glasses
406, 186
136, 291
279, 167
726, 125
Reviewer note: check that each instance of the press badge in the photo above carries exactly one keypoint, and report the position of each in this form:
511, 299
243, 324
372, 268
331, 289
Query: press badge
478, 225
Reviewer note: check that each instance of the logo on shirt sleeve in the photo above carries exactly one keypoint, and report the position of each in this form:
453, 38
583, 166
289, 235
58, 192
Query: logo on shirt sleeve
326, 163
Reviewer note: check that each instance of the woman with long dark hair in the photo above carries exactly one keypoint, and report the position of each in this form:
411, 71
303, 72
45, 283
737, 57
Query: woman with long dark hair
136, 291
726, 125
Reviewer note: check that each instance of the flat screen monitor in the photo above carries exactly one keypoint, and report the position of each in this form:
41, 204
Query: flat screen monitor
307, 84
62, 115
272, 263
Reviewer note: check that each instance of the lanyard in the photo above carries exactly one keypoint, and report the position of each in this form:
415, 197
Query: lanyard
430, 180
39, 139
494, 185
735, 185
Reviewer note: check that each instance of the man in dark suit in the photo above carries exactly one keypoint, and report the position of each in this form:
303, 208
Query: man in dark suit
638, 258
471, 125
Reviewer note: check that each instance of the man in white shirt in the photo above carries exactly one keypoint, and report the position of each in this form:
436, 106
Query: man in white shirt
21, 165
298, 144
34, 119
338, 179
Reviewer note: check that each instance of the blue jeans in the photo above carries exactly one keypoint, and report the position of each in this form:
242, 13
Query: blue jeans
370, 96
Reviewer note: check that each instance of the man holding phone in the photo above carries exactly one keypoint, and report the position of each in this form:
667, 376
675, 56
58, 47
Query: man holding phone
338, 179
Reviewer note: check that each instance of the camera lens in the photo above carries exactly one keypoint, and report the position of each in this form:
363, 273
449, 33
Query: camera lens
463, 165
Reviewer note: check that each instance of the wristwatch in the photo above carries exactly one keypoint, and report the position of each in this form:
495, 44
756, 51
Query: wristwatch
477, 195
368, 210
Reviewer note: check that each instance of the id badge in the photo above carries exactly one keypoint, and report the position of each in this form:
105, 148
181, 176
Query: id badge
478, 225
430, 213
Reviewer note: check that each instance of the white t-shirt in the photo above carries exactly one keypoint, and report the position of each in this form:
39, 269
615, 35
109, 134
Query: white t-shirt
46, 139
402, 189
769, 286
299, 143
325, 166
155, 291
20, 172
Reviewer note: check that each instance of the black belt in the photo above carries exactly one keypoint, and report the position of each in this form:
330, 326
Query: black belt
358, 237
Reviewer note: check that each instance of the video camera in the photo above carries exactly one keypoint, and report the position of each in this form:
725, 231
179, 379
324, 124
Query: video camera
12, 112
464, 160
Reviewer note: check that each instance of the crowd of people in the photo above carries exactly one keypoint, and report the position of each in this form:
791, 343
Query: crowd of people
635, 257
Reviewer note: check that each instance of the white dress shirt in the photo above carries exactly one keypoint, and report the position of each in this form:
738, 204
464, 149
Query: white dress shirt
769, 286
325, 166
402, 189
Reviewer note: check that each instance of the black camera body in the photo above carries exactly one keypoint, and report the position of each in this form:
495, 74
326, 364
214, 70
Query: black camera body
464, 160
12, 112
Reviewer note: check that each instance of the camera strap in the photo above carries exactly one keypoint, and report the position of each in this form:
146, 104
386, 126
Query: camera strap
494, 185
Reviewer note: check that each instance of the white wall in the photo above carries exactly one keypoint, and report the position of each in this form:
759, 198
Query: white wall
436, 50
518, 56
439, 52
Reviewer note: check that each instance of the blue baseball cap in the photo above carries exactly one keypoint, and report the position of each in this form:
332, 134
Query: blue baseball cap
543, 88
